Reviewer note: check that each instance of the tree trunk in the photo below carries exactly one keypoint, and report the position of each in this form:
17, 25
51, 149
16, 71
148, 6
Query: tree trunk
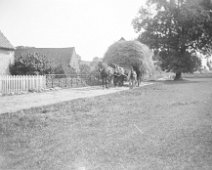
178, 76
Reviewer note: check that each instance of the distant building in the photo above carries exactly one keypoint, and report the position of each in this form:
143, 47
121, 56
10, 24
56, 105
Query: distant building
65, 57
6, 54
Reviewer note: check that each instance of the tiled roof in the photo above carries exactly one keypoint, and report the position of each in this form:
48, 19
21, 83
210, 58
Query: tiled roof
4, 42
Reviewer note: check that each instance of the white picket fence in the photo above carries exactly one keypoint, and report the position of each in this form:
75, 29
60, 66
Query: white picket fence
16, 84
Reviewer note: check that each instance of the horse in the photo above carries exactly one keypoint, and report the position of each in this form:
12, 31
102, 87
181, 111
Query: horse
119, 75
140, 73
139, 78
106, 74
132, 78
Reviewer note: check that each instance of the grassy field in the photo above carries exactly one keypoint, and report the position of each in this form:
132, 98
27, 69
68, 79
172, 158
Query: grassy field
163, 126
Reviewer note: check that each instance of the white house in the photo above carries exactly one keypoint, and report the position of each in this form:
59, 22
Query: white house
6, 54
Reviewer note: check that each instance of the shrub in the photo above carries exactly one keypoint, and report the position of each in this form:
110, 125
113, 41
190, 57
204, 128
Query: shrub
31, 64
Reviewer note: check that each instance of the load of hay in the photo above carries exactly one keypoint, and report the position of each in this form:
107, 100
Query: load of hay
129, 54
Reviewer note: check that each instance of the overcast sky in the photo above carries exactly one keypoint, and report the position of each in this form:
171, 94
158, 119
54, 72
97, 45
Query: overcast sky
88, 25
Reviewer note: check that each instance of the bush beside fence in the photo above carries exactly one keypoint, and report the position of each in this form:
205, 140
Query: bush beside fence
70, 81
17, 84
25, 83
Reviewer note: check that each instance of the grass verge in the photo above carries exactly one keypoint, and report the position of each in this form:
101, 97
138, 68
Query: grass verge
163, 126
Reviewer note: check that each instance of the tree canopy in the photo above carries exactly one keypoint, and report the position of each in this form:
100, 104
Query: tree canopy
85, 69
34, 64
129, 54
174, 28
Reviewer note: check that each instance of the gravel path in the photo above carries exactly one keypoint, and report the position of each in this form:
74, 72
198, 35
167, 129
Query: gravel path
26, 101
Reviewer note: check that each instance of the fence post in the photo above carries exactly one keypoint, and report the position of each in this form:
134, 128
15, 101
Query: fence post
52, 81
14, 84
30, 80
44, 80
37, 82
80, 79
0, 84
8, 80
24, 83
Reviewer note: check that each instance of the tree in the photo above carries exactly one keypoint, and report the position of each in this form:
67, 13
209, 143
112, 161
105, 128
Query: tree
59, 71
85, 69
32, 64
95, 62
129, 54
175, 28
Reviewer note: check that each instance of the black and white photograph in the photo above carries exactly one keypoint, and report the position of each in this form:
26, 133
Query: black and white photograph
105, 84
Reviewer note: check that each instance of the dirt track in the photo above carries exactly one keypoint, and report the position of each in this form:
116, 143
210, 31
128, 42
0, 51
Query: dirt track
26, 101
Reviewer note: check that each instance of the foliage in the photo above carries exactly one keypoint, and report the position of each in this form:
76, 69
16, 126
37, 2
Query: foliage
94, 63
85, 69
129, 54
174, 28
209, 64
94, 67
18, 68
188, 63
32, 64
95, 73
59, 72
106, 73
70, 71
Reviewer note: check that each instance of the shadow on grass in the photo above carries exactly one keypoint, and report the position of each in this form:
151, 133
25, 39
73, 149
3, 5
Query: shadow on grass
183, 81
173, 82
198, 75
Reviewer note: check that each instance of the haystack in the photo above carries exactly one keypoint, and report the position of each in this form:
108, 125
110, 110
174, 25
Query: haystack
131, 54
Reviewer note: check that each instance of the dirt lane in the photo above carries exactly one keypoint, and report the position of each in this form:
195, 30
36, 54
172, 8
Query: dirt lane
26, 101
